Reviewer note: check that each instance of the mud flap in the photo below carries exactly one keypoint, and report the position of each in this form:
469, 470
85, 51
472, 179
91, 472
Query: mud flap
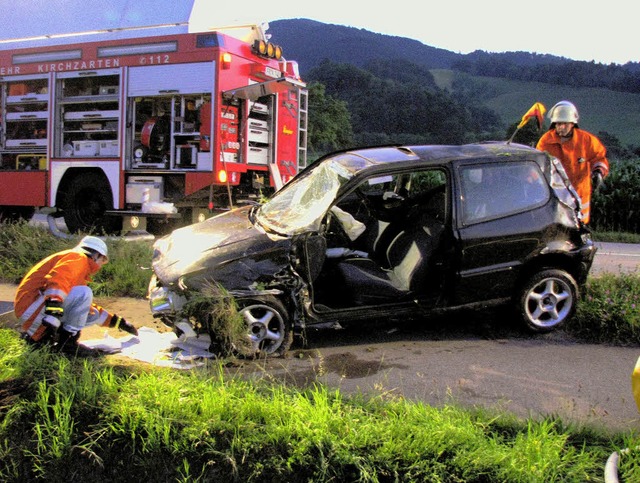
635, 383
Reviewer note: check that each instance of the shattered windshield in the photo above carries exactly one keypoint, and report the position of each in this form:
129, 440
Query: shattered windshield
301, 205
562, 186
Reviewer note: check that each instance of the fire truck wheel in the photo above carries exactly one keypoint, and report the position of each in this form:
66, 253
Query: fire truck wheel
87, 198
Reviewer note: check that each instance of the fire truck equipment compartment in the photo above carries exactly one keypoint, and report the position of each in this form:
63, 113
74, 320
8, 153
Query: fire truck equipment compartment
108, 90
79, 115
186, 156
31, 162
136, 187
205, 161
257, 155
259, 108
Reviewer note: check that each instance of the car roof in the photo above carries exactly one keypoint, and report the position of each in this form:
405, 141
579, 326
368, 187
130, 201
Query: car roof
371, 161
402, 156
442, 153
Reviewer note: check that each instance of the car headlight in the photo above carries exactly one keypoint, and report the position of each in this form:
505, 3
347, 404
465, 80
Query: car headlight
164, 301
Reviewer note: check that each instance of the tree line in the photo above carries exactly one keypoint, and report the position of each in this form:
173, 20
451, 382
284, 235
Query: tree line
622, 78
384, 104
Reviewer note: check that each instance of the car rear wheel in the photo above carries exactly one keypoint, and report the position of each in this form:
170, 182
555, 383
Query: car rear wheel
547, 300
269, 330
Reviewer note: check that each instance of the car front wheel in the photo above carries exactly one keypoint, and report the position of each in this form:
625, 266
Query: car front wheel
269, 329
547, 300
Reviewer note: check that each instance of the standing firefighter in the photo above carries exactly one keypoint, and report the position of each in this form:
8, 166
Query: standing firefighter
582, 154
54, 302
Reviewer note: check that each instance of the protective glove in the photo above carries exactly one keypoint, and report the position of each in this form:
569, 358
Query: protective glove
596, 180
121, 324
53, 308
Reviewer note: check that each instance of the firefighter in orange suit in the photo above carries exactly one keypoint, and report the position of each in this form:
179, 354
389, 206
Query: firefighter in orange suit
54, 302
582, 154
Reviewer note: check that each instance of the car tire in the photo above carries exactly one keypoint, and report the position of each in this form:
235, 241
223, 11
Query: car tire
547, 300
269, 328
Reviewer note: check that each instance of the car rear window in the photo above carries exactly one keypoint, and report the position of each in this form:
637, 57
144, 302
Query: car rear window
495, 190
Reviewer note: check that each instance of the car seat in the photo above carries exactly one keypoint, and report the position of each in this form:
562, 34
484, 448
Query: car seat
397, 265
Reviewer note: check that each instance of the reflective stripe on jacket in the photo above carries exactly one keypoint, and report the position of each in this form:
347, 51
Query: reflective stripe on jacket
580, 156
53, 278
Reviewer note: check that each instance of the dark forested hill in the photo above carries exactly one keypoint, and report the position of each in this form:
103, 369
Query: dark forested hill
310, 42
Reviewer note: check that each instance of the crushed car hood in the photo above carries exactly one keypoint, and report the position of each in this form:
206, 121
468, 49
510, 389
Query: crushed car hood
225, 248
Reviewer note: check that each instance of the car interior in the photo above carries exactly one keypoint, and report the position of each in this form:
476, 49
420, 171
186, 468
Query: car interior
385, 254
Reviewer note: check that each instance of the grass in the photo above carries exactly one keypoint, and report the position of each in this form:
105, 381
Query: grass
616, 237
225, 325
94, 420
608, 311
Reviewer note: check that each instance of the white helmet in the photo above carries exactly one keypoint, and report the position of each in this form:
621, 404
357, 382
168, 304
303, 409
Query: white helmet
564, 111
94, 244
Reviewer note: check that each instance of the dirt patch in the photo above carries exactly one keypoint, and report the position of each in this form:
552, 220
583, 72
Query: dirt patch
347, 365
8, 320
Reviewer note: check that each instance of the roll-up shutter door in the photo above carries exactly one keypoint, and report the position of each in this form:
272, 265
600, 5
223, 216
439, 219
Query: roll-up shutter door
156, 80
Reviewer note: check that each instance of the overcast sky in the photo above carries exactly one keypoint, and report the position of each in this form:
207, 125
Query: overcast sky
603, 31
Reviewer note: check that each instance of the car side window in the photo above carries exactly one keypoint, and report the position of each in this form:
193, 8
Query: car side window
392, 195
495, 190
428, 191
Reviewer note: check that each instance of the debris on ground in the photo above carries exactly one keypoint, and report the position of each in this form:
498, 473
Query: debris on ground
163, 349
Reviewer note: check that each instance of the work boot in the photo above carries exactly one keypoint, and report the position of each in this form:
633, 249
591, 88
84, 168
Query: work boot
68, 344
36, 344
51, 325
48, 337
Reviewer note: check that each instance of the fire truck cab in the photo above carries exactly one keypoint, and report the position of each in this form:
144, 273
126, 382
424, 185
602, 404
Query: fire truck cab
146, 127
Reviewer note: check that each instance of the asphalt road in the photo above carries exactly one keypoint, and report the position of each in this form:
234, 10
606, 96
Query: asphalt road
616, 258
582, 383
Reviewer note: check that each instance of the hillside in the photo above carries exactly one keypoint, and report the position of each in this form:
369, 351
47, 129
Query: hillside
617, 113
310, 42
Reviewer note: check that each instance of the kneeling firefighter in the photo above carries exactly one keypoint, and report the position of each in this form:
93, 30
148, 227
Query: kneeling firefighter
54, 302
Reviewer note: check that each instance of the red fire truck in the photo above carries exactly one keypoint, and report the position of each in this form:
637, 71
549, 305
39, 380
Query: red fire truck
196, 121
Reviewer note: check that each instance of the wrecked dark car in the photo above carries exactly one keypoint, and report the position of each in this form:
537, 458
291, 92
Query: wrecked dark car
388, 233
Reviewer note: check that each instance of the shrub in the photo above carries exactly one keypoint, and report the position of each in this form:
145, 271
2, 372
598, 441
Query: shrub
615, 206
609, 310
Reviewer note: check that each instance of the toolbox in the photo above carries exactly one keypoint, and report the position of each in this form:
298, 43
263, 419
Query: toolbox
86, 148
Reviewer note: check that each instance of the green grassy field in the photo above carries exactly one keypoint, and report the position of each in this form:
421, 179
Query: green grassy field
617, 113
